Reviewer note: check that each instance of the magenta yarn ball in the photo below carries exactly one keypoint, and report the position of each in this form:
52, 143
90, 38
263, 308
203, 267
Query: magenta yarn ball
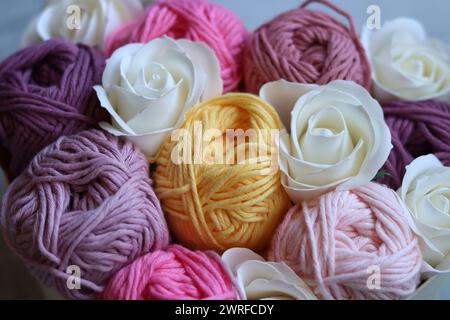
46, 92
84, 201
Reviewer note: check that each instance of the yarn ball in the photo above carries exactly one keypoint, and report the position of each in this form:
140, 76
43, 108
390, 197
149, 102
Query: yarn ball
418, 128
306, 46
339, 240
175, 273
46, 92
195, 20
216, 203
84, 201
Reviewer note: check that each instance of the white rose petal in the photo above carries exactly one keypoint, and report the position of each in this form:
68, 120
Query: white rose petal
148, 88
406, 64
337, 138
426, 191
261, 280
98, 19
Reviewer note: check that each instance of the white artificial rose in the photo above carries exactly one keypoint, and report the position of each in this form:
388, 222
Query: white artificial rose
407, 65
88, 22
261, 280
337, 137
426, 191
148, 88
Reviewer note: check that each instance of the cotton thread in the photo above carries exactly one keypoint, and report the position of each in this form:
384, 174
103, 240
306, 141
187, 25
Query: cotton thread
175, 273
333, 241
418, 128
195, 20
46, 92
306, 46
220, 206
84, 201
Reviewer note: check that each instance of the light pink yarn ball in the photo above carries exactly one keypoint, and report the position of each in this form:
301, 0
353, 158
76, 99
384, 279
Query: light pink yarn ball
337, 241
175, 273
195, 20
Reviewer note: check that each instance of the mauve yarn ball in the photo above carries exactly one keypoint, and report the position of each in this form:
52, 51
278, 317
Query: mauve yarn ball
84, 201
195, 20
417, 128
306, 46
46, 92
175, 273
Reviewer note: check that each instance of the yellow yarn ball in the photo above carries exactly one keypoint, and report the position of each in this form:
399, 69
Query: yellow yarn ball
217, 206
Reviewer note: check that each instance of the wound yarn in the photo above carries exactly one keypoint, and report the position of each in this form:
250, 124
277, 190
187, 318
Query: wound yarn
339, 240
84, 202
233, 198
195, 20
418, 128
306, 46
46, 92
175, 273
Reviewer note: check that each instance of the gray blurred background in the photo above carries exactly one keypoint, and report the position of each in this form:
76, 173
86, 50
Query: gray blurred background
15, 282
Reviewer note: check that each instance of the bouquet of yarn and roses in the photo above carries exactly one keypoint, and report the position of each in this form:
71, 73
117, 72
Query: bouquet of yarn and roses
168, 153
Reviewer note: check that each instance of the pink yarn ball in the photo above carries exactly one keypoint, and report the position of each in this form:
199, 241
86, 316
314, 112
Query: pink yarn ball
306, 46
334, 241
175, 273
195, 20
85, 201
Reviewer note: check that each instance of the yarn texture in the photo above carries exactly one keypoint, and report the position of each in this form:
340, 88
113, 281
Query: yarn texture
222, 205
333, 242
195, 20
84, 201
175, 273
46, 92
418, 128
306, 46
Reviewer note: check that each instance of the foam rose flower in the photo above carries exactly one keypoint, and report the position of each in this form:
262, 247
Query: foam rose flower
407, 65
258, 279
148, 88
91, 24
337, 137
426, 192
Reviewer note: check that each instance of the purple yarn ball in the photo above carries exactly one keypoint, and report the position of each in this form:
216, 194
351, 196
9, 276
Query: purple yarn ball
87, 201
46, 92
418, 128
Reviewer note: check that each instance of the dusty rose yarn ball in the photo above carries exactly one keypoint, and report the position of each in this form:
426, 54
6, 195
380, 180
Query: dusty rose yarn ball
195, 20
46, 92
175, 273
84, 201
336, 242
306, 46
418, 128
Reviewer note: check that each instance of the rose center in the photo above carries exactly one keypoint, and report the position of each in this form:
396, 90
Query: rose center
155, 76
442, 201
417, 66
327, 139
